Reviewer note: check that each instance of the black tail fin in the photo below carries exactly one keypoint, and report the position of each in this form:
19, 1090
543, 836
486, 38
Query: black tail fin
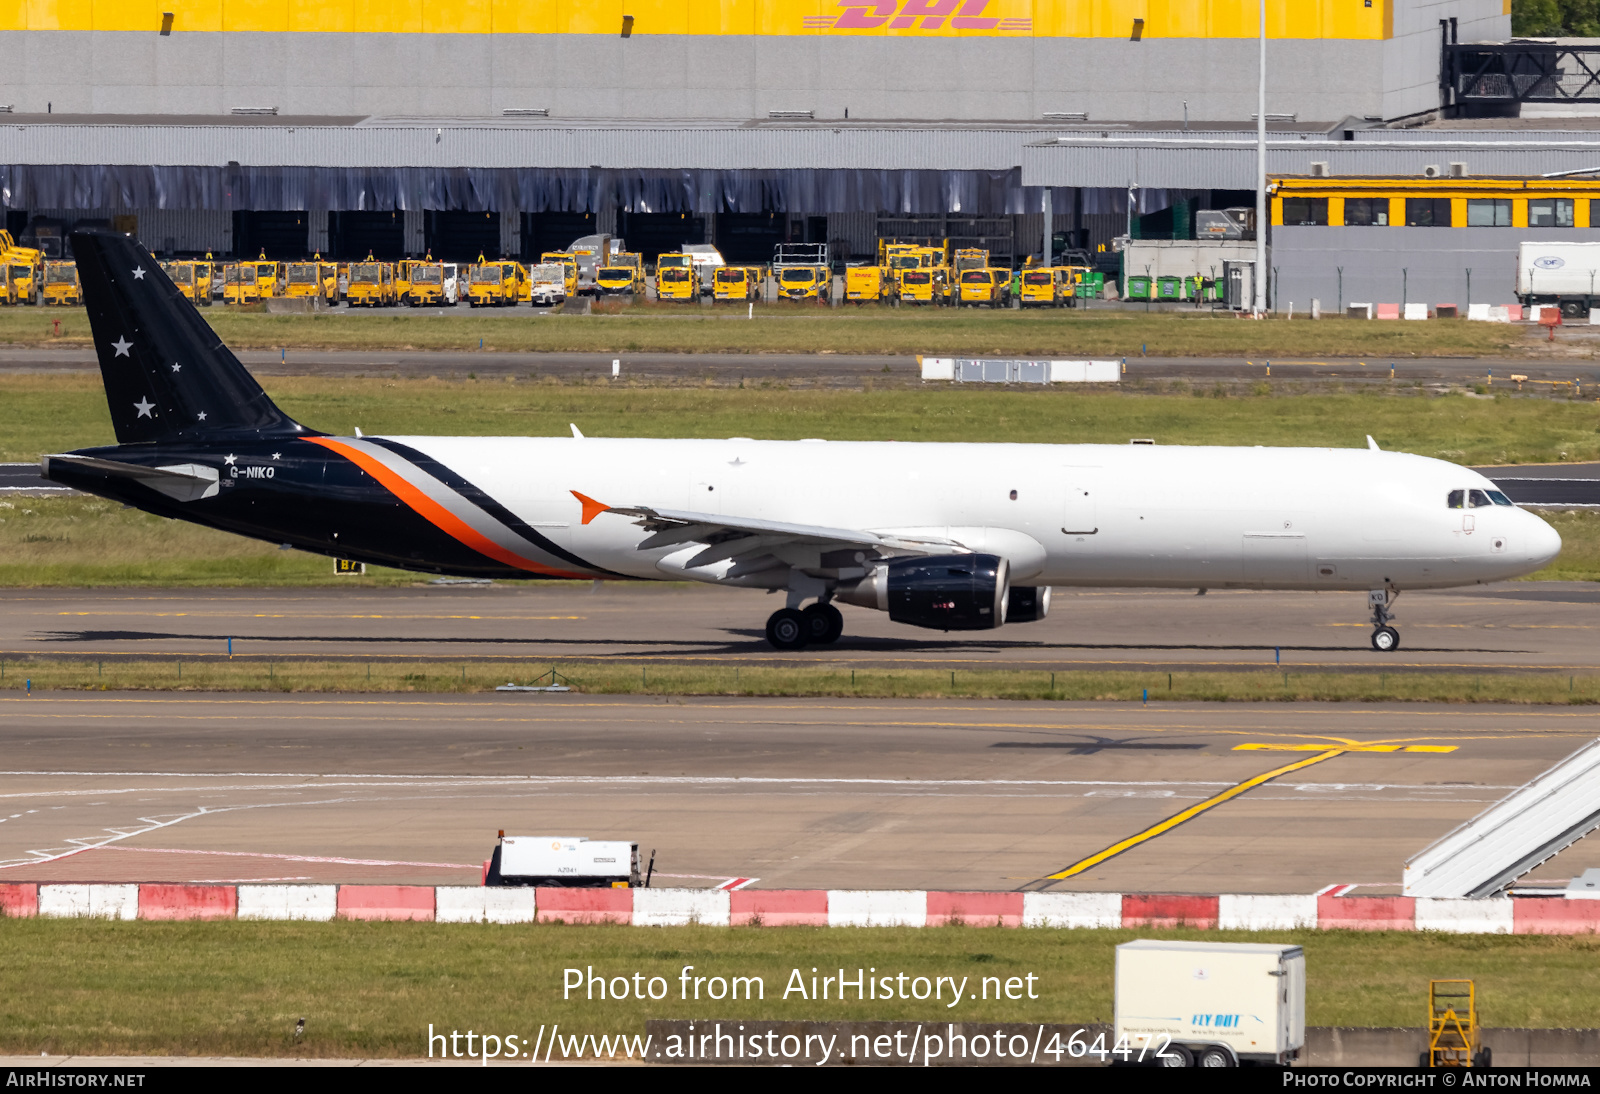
168, 376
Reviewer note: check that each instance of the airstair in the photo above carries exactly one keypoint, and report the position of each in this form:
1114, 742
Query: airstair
1485, 855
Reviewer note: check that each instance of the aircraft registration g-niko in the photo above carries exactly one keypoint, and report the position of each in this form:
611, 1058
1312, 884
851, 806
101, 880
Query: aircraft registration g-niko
945, 536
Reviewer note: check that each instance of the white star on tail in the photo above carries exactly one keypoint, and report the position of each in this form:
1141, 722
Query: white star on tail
177, 367
122, 346
144, 407
202, 415
138, 273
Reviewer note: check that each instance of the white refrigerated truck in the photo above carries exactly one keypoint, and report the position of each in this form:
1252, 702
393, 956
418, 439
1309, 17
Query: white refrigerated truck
1211, 1004
1564, 274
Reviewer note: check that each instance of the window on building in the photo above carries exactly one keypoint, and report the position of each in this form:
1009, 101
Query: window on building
1360, 212
1550, 213
1488, 212
1427, 212
1306, 211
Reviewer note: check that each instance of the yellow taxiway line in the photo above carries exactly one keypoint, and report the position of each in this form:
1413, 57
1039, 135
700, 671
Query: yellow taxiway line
1189, 814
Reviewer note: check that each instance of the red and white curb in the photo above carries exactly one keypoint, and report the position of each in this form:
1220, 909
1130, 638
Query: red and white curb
802, 907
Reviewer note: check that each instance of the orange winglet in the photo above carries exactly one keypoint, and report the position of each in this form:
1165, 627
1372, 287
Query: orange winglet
591, 508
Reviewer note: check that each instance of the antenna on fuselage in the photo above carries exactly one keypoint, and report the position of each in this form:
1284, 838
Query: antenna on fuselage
1372, 444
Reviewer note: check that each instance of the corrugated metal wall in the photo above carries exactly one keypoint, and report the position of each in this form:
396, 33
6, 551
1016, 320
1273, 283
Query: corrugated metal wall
161, 230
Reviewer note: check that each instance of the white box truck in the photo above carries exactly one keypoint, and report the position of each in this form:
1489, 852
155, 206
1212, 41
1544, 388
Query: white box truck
1564, 274
564, 862
1210, 1004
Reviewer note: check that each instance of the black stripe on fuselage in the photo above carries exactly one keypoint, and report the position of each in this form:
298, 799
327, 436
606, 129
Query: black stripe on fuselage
488, 504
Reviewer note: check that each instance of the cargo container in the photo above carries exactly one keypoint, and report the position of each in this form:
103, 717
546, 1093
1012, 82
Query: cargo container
564, 862
1210, 1004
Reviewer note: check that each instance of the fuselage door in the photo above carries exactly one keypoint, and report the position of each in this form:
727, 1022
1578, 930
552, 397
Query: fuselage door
1080, 515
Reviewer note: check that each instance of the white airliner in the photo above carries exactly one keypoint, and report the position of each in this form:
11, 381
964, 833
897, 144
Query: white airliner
942, 536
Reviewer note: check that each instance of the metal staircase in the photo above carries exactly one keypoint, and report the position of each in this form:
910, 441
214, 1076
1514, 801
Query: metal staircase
1485, 855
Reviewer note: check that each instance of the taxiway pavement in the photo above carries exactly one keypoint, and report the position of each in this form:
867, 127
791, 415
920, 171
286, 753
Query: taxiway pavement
1511, 626
793, 793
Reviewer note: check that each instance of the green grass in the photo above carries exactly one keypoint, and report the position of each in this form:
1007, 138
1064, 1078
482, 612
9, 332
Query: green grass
788, 328
372, 989
54, 413
356, 675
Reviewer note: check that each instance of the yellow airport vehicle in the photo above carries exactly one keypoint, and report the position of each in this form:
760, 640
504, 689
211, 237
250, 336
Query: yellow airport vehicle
865, 284
736, 283
269, 276
989, 286
1453, 1034
8, 294
919, 285
676, 277
61, 284
971, 258
501, 284
26, 268
239, 283
803, 272
371, 285
424, 284
1045, 287
314, 280
619, 279
568, 260
193, 280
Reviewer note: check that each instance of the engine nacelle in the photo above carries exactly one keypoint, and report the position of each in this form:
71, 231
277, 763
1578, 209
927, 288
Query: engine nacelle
1027, 603
942, 592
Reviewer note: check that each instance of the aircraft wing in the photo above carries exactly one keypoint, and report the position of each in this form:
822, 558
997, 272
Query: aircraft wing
754, 544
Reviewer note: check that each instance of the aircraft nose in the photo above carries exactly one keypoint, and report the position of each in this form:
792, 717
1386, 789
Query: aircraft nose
1544, 542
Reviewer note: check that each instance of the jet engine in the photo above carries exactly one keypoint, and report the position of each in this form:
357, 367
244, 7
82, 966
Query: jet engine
1027, 603
942, 592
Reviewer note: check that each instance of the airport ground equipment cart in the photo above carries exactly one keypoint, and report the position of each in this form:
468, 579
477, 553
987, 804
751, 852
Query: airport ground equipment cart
1453, 1026
564, 862
1209, 1004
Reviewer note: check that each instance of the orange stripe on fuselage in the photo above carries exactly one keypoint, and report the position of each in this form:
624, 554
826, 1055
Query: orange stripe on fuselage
436, 514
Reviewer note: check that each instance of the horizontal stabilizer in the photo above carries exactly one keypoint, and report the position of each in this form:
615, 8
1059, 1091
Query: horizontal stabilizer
181, 482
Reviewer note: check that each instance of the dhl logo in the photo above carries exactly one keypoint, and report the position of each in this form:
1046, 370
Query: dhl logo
942, 15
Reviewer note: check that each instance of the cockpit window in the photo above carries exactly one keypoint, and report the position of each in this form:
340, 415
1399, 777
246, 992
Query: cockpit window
1477, 499
1457, 499
1499, 499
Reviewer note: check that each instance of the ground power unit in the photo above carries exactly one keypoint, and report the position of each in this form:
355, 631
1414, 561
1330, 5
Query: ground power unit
564, 862
1211, 1004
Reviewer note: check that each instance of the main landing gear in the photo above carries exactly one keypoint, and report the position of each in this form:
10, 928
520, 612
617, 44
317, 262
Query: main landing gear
1385, 639
794, 629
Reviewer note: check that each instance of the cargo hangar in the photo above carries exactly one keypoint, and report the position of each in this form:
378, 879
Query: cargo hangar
349, 127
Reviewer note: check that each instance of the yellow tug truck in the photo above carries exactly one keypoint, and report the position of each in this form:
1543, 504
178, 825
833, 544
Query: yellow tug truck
239, 283
502, 284
676, 277
194, 279
24, 270
424, 283
742, 283
922, 274
61, 284
371, 285
314, 280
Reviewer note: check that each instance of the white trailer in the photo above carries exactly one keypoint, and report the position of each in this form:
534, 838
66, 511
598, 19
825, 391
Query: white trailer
1210, 1004
1560, 273
570, 862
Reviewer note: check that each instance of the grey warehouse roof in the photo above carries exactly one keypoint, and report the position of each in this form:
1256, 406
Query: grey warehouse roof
1230, 163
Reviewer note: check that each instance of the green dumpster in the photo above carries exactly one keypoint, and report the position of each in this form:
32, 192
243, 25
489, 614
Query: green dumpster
1169, 287
1138, 287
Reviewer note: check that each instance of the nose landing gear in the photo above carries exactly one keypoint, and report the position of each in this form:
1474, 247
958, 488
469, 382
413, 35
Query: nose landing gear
1385, 639
791, 629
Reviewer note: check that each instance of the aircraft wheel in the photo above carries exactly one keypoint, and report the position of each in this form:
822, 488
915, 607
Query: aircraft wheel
788, 629
825, 624
1385, 639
